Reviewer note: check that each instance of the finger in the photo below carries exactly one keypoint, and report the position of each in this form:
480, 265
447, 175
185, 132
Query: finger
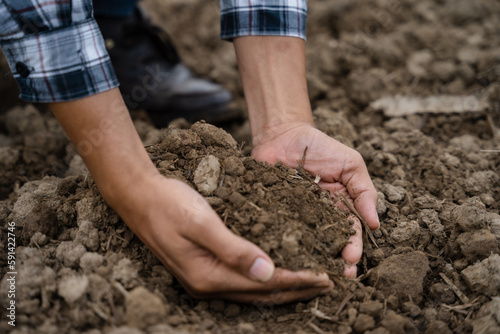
354, 249
207, 230
366, 204
274, 298
350, 271
225, 279
360, 187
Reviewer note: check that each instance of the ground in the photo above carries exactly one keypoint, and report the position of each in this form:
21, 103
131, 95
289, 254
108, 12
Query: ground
433, 266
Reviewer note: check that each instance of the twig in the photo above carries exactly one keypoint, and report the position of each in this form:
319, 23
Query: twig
363, 276
99, 312
343, 303
120, 288
317, 313
455, 289
316, 328
356, 213
304, 158
255, 206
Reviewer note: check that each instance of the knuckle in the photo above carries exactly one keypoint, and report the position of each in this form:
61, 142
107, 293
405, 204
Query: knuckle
200, 287
235, 257
357, 158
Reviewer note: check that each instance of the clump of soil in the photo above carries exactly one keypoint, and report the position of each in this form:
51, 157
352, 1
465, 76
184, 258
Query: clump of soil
279, 208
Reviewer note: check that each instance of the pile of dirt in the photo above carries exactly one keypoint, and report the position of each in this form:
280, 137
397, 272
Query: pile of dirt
435, 267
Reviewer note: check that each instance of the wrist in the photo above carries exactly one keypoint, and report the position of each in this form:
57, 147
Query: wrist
125, 190
267, 133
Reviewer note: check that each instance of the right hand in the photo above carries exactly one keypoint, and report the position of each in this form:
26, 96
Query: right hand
188, 237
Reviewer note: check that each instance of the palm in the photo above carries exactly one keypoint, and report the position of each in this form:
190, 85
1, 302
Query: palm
340, 168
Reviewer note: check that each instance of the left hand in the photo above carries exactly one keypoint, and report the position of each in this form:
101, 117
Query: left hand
342, 170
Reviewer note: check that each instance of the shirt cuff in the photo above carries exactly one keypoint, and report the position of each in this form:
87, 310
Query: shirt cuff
61, 64
263, 18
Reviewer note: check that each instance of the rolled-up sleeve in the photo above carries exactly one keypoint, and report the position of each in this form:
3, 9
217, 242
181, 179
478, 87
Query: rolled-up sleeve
263, 17
55, 49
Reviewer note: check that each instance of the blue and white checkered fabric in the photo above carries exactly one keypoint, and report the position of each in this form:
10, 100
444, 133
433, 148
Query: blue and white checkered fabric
55, 49
263, 17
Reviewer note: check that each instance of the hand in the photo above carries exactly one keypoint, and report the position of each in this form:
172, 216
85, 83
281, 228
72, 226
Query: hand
183, 231
342, 170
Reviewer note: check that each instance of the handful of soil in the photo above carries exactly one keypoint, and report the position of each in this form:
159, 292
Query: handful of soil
279, 208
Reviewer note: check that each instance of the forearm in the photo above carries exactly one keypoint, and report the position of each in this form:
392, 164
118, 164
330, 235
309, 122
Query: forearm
102, 131
273, 73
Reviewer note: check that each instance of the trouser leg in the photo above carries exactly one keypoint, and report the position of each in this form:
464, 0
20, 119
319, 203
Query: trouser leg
114, 7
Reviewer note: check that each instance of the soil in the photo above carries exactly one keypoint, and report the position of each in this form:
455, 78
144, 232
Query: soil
436, 265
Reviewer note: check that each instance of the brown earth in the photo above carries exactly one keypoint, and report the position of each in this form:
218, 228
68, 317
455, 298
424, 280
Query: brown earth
436, 266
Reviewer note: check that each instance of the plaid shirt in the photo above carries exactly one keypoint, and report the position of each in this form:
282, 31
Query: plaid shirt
263, 17
56, 52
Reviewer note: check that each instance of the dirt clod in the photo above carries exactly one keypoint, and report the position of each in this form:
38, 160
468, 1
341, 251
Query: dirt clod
414, 266
144, 308
484, 276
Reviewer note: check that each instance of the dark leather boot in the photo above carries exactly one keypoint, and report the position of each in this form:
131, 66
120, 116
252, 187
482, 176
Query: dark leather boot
152, 76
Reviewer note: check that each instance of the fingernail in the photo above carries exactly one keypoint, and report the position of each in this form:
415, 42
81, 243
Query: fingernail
330, 287
262, 270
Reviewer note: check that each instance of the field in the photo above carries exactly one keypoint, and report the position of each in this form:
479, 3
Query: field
432, 267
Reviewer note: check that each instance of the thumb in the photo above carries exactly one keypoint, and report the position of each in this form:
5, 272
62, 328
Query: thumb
234, 251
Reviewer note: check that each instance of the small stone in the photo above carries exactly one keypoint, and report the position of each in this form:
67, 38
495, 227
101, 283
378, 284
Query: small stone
206, 175
144, 308
72, 287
